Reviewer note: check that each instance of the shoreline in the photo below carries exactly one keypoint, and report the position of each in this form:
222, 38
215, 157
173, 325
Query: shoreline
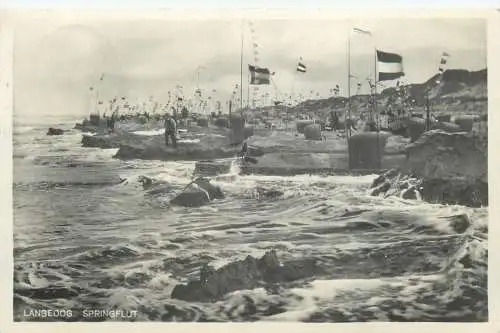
285, 153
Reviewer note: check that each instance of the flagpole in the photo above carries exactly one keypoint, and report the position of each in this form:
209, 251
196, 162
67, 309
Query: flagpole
375, 104
348, 132
241, 71
248, 91
292, 90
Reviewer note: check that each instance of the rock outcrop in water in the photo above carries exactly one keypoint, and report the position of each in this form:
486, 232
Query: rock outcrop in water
195, 144
212, 168
249, 273
198, 193
110, 140
264, 193
285, 154
444, 167
55, 131
155, 186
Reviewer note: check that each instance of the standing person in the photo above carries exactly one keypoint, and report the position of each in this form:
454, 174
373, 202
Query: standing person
112, 121
170, 130
334, 120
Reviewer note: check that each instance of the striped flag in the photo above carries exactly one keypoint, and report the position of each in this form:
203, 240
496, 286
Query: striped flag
301, 67
390, 66
259, 75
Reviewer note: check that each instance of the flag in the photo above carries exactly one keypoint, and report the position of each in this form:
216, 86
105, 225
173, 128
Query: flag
445, 54
390, 66
259, 75
301, 67
366, 32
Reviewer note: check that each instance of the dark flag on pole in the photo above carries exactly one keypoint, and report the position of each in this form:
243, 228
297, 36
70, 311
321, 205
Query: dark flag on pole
259, 75
390, 66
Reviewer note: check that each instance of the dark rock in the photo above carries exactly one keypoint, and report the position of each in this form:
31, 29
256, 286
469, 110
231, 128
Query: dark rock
106, 141
154, 187
193, 197
212, 168
459, 223
154, 148
146, 182
200, 192
377, 181
383, 188
384, 177
449, 168
215, 192
456, 191
410, 193
55, 131
269, 193
453, 168
51, 292
245, 274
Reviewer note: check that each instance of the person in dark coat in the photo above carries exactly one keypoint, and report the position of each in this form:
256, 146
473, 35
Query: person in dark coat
112, 121
334, 120
170, 130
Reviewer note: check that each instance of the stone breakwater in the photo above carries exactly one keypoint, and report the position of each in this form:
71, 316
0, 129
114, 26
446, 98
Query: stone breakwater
441, 167
286, 154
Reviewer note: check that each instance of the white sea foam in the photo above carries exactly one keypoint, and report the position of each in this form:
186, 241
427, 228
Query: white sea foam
150, 132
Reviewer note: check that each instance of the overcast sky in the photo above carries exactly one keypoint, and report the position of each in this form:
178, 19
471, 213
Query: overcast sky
57, 60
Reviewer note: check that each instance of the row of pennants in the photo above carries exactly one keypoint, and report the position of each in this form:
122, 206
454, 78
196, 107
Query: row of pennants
390, 67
